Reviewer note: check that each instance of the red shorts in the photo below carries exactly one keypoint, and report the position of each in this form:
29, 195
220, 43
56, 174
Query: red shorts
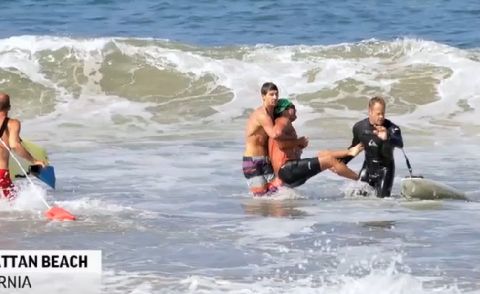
6, 185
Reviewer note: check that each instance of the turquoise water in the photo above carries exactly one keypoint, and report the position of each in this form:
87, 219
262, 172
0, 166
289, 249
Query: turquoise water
146, 136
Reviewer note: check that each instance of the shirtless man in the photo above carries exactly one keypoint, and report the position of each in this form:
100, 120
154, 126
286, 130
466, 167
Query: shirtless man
288, 166
256, 163
10, 135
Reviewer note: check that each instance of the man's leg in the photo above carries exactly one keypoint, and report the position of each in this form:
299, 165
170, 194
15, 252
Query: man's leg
272, 182
338, 154
296, 172
329, 159
8, 190
257, 185
258, 172
386, 182
330, 162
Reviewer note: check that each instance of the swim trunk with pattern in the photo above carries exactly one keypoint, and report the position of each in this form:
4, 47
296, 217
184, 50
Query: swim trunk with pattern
259, 173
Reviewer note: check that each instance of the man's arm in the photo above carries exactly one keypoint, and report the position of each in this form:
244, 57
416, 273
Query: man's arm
16, 144
301, 142
274, 132
284, 126
355, 142
390, 134
393, 139
395, 136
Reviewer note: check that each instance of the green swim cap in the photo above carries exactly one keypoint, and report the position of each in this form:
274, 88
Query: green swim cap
282, 104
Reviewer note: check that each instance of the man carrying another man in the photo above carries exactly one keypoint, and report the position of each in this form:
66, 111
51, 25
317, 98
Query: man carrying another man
273, 148
256, 165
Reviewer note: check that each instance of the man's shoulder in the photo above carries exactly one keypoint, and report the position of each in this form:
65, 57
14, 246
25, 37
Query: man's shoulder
284, 122
258, 112
12, 120
253, 115
388, 124
362, 123
13, 123
282, 119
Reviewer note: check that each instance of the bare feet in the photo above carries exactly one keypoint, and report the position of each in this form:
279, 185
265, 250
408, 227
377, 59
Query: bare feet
355, 150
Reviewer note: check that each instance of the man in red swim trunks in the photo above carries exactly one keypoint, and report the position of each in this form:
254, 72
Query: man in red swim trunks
10, 135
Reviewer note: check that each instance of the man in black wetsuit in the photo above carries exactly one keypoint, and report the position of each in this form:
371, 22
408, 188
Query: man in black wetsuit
379, 137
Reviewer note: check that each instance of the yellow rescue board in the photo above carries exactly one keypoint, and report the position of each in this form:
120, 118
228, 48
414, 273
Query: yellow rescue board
36, 151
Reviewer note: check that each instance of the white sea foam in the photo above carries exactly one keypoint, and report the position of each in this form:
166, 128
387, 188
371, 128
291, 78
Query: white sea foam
297, 70
388, 280
177, 199
29, 198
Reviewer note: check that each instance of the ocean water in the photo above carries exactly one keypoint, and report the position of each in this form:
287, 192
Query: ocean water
142, 108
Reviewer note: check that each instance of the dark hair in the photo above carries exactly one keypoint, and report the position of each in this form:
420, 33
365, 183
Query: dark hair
376, 99
268, 86
5, 102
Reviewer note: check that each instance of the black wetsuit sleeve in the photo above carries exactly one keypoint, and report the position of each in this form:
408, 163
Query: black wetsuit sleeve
355, 141
395, 136
394, 139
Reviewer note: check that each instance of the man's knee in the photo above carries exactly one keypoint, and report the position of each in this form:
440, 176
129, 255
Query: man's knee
259, 191
323, 153
363, 175
266, 189
327, 161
